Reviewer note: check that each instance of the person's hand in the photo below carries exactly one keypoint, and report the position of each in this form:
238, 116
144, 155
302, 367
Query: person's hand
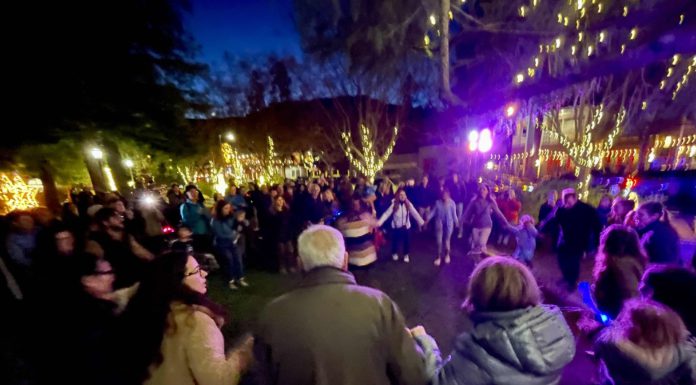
418, 331
245, 353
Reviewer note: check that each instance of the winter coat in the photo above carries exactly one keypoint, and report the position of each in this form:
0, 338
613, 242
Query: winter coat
195, 216
457, 190
237, 201
525, 236
580, 226
521, 347
623, 362
224, 232
193, 351
510, 209
331, 331
661, 242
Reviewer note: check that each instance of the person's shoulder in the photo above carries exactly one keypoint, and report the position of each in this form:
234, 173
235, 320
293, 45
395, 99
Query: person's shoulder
192, 317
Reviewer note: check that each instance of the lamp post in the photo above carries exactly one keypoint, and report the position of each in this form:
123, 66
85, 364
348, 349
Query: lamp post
480, 142
129, 165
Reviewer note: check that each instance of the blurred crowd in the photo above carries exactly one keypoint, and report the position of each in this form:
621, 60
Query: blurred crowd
121, 282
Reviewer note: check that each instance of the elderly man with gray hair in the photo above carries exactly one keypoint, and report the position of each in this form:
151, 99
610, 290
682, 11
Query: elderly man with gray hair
330, 330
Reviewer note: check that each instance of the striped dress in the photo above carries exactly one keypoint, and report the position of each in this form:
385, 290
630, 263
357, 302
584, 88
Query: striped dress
359, 237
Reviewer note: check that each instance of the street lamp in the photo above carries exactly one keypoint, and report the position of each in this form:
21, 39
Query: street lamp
230, 137
129, 165
480, 140
510, 110
97, 153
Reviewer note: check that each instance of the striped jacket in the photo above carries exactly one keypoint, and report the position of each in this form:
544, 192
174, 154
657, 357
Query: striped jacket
359, 237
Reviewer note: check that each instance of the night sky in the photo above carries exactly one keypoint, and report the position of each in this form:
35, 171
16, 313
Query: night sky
245, 28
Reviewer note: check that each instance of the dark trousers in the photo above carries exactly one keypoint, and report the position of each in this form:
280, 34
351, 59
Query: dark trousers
399, 235
569, 261
233, 261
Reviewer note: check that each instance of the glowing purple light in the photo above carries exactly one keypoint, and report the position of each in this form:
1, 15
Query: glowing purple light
485, 142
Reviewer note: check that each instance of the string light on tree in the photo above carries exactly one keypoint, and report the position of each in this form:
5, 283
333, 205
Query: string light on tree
16, 194
367, 161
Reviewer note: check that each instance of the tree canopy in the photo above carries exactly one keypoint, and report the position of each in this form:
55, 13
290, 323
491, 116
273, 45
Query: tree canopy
120, 67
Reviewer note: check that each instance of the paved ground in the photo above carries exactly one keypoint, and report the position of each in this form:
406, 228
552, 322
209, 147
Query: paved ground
426, 295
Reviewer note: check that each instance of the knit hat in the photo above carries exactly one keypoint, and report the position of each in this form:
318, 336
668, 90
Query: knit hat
567, 191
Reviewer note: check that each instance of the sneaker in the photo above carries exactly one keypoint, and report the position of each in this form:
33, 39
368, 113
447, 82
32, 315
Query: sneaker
232, 285
395, 257
437, 262
406, 259
447, 259
242, 282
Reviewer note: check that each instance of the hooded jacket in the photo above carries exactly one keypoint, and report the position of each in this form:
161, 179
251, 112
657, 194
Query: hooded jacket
522, 347
623, 362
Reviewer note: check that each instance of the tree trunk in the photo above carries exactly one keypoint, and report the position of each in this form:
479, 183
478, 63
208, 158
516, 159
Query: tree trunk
118, 170
49, 185
96, 174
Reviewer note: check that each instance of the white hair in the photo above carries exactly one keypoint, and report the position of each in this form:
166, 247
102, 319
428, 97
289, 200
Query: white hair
321, 246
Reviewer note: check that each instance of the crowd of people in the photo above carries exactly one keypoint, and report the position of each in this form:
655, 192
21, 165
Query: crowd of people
122, 282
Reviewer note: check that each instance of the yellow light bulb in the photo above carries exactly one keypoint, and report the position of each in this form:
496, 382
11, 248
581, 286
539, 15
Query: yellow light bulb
558, 42
675, 59
572, 50
599, 8
589, 50
625, 11
433, 20
580, 35
634, 33
602, 36
519, 78
623, 48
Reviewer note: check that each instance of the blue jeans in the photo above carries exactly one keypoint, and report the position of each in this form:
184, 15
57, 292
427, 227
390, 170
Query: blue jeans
235, 267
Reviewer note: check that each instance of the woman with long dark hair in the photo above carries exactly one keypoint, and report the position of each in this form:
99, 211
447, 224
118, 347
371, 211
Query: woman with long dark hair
478, 215
175, 329
400, 212
619, 266
225, 239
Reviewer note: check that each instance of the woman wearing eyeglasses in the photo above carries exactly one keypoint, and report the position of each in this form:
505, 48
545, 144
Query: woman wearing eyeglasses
175, 329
